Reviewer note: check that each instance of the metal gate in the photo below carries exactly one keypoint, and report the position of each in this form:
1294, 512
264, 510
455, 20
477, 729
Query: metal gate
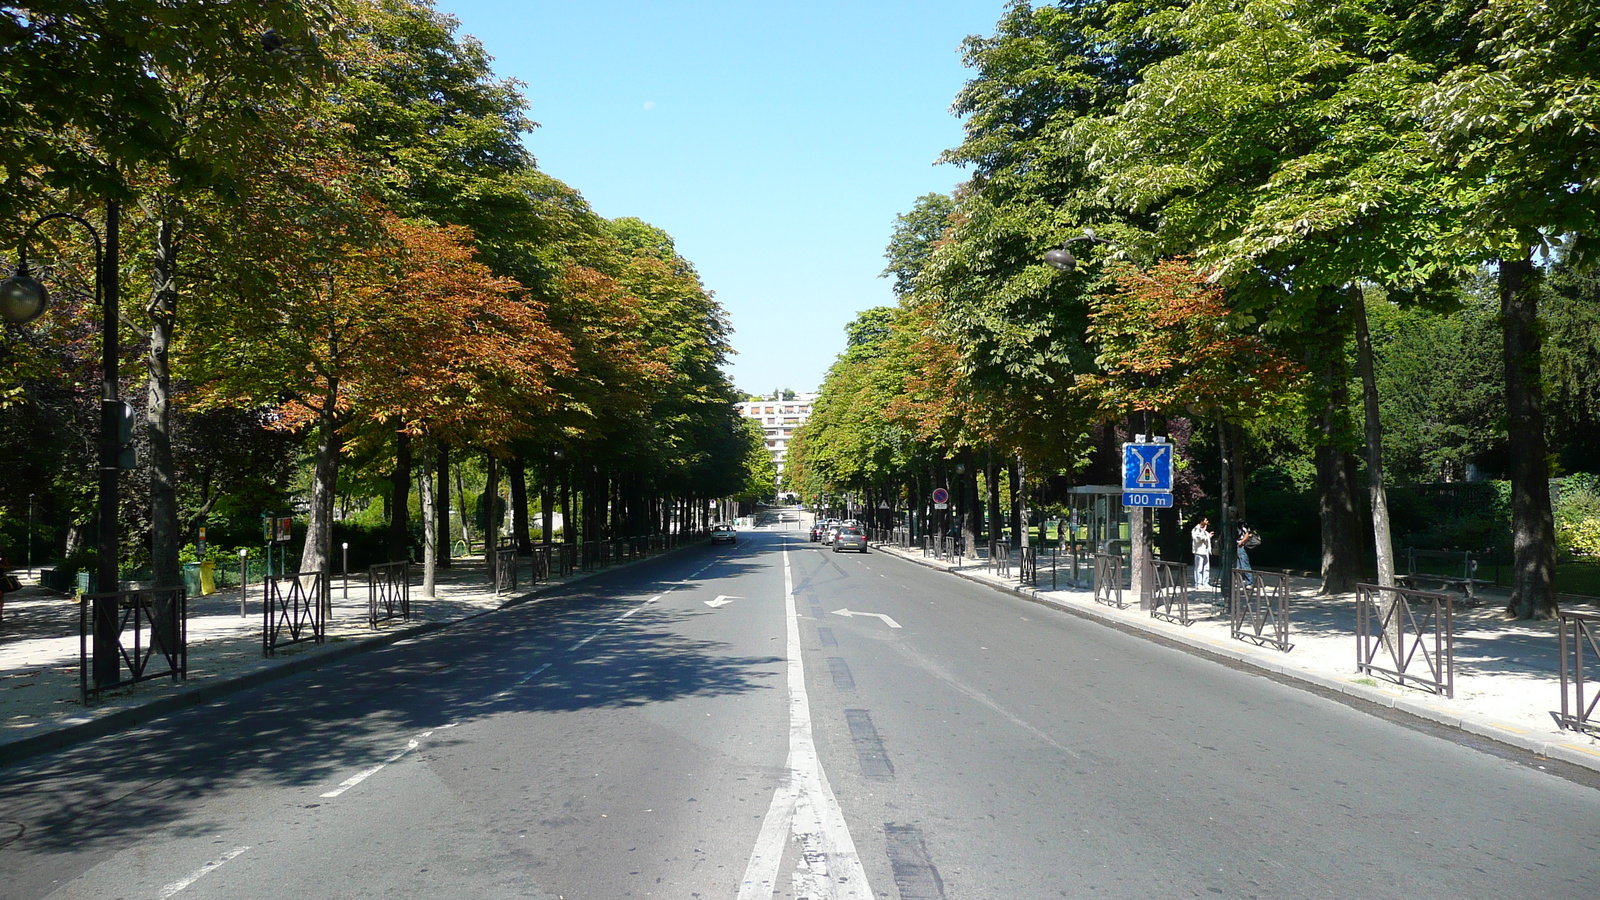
1419, 627
1108, 580
293, 610
152, 628
1579, 632
1258, 608
1171, 598
389, 592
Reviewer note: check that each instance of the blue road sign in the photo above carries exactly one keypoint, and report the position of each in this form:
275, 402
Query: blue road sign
1150, 499
1147, 467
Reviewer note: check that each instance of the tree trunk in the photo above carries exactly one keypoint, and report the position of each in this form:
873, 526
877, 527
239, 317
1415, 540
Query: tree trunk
971, 506
1019, 494
517, 470
1335, 498
441, 529
400, 497
491, 522
1018, 526
991, 485
165, 532
1533, 567
430, 522
318, 549
1241, 496
1381, 541
547, 503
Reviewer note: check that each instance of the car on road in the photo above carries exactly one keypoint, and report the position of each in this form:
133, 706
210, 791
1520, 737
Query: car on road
821, 528
850, 538
722, 534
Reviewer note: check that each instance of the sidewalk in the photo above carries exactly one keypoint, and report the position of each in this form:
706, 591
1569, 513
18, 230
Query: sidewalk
1507, 672
40, 707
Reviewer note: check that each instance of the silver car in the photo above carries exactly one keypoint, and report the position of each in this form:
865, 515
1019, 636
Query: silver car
850, 538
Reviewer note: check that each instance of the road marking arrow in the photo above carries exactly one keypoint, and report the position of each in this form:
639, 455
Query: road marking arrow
849, 613
722, 600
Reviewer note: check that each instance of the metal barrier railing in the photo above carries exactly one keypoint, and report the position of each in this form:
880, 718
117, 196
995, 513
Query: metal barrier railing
1108, 580
505, 570
566, 559
1170, 600
1258, 607
388, 592
1028, 562
1579, 631
1402, 637
294, 610
1000, 558
152, 627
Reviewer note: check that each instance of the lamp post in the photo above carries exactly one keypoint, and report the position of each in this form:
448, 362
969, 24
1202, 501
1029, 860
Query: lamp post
244, 558
31, 498
22, 299
1062, 258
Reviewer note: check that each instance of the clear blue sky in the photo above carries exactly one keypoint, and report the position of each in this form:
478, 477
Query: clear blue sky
775, 143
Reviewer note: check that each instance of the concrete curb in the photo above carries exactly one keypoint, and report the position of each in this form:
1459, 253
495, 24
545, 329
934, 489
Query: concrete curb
1572, 754
15, 751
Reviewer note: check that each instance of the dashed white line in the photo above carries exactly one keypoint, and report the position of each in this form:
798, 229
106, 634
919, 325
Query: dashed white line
366, 773
201, 872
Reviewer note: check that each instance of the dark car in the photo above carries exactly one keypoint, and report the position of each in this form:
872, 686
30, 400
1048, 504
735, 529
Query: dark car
850, 538
722, 534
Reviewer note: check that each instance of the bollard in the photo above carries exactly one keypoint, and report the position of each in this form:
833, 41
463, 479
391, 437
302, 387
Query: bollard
346, 547
244, 555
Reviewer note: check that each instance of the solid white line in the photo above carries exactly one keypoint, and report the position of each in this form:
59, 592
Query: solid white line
830, 868
201, 872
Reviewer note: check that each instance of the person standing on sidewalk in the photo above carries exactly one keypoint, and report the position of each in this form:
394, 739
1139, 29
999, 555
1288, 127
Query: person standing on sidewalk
1248, 540
1201, 537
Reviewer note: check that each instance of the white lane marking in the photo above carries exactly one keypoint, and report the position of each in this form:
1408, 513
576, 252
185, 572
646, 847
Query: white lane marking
201, 872
366, 773
587, 640
851, 613
829, 868
722, 600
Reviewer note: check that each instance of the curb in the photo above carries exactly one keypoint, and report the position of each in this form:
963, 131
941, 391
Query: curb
1572, 754
12, 752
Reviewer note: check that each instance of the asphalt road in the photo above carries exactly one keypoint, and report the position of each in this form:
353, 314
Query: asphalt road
775, 720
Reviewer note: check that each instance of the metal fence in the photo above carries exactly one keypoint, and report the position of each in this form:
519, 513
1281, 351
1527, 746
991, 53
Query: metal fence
294, 611
1411, 642
1580, 656
1258, 607
1028, 562
389, 592
505, 570
1000, 558
1108, 580
152, 637
1171, 596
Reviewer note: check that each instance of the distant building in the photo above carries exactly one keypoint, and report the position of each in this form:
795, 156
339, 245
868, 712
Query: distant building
780, 419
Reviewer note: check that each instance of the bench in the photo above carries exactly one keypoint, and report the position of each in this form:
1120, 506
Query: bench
1453, 561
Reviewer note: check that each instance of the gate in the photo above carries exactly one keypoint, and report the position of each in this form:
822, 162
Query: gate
1000, 558
1428, 637
152, 627
1108, 580
389, 592
1171, 598
505, 570
293, 610
1258, 608
1029, 572
1576, 676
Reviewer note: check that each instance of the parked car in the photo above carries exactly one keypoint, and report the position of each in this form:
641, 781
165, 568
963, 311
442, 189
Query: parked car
821, 528
850, 537
829, 533
722, 534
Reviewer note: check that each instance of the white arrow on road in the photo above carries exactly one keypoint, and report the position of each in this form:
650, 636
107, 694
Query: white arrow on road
886, 620
722, 600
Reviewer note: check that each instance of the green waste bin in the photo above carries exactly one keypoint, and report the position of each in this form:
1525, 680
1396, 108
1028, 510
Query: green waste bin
191, 578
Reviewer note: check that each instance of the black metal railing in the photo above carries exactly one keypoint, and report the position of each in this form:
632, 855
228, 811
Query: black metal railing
1028, 563
1000, 558
505, 570
1412, 641
1108, 580
1258, 607
152, 639
1580, 657
1170, 599
389, 592
294, 611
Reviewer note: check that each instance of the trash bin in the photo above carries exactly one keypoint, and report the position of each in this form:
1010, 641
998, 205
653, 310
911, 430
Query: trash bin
191, 578
208, 577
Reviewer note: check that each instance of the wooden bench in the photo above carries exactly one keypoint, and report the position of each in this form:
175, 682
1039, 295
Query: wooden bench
1455, 561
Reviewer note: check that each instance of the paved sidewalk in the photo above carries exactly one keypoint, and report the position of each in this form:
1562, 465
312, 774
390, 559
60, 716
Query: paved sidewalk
40, 707
1507, 672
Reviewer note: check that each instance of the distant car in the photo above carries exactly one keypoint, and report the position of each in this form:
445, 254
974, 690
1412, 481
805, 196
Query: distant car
831, 532
821, 528
850, 538
722, 534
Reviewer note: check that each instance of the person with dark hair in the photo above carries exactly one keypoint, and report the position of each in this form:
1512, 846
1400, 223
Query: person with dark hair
1248, 540
1201, 538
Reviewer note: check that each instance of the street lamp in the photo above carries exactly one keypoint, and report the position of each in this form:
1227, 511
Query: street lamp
23, 299
1062, 258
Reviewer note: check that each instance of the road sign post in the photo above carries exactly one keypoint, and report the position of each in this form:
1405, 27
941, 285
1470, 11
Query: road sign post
1146, 485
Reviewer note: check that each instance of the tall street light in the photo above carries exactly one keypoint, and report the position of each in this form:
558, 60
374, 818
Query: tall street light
23, 299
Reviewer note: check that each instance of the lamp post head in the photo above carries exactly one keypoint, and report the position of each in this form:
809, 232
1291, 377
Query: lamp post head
22, 299
1059, 258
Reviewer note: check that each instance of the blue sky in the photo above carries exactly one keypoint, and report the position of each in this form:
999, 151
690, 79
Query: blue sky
776, 144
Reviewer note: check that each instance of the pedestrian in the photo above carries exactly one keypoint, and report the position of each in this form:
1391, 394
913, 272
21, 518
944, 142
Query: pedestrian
1201, 537
1248, 540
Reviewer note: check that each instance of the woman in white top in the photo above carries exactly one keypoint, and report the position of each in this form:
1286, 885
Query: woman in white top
1201, 536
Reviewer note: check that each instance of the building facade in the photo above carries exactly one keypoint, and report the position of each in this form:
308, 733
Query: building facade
780, 419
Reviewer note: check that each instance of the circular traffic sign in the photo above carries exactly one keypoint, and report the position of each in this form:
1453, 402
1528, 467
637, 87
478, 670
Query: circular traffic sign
940, 495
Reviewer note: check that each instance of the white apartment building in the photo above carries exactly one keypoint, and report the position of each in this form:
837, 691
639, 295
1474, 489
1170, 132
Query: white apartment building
780, 419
